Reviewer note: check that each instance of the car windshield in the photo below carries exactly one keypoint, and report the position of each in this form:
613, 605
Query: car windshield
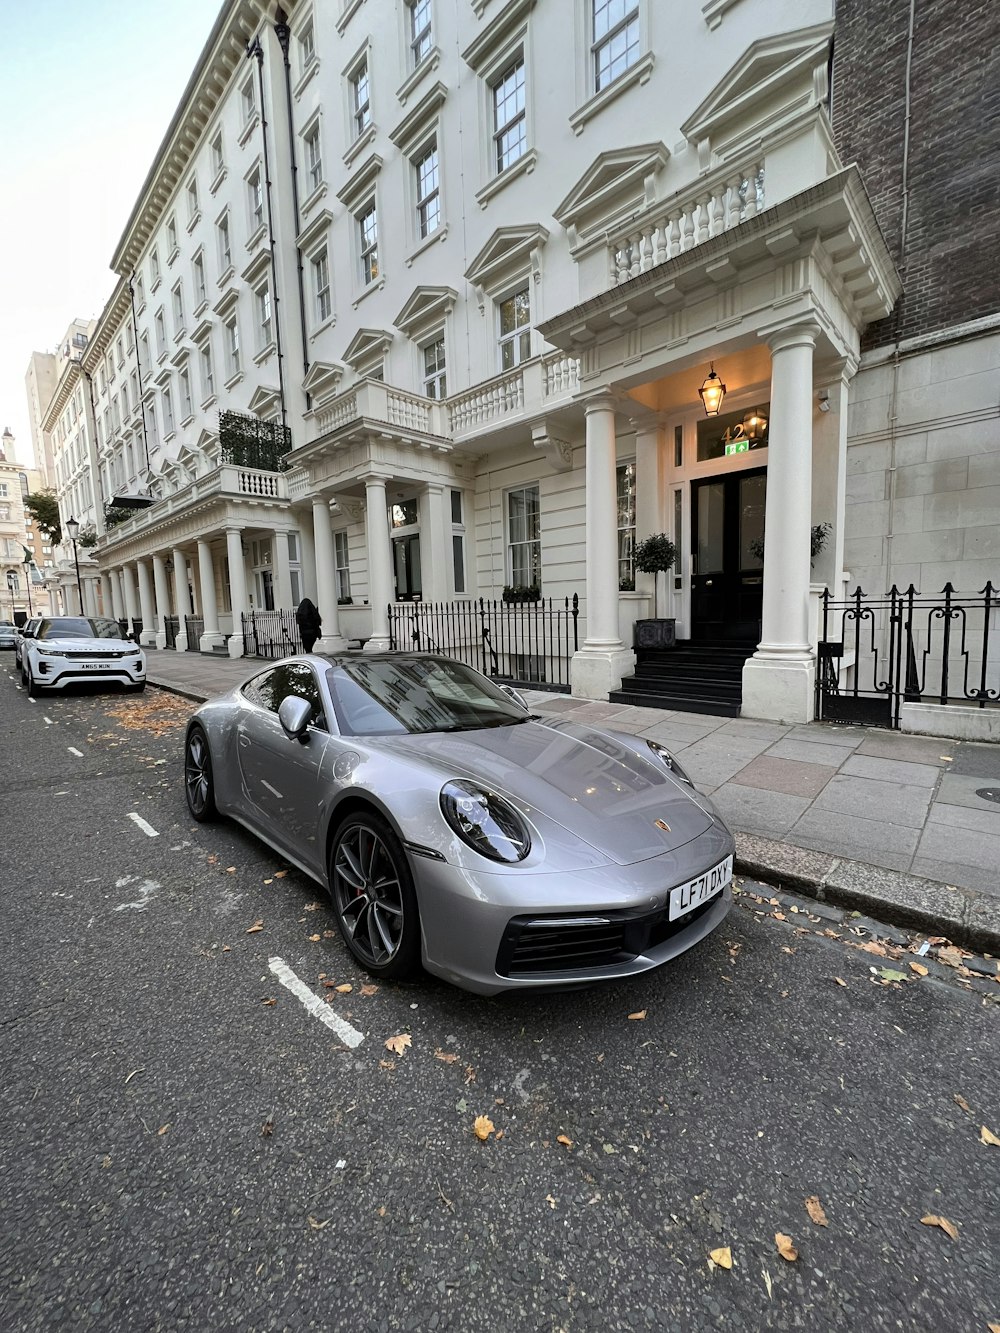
79, 627
383, 697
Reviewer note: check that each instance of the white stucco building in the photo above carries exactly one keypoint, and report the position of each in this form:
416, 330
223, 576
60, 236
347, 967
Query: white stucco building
480, 288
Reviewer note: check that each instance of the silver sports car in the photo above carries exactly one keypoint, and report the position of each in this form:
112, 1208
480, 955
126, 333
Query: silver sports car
455, 829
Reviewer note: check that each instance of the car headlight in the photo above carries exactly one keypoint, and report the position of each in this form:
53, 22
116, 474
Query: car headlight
485, 822
48, 652
668, 761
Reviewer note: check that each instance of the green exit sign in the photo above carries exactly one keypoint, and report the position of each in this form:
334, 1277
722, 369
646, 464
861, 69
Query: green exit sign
738, 447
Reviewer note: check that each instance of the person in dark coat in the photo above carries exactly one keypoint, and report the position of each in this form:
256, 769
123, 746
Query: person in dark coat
309, 622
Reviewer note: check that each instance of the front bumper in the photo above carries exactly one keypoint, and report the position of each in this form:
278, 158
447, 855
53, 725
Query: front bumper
56, 673
493, 932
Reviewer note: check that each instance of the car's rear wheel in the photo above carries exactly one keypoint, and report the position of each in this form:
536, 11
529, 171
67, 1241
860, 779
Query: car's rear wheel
373, 896
199, 785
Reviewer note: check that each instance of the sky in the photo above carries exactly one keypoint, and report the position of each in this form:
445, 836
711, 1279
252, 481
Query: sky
89, 88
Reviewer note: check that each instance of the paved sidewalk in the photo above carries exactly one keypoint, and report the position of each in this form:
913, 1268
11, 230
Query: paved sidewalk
895, 825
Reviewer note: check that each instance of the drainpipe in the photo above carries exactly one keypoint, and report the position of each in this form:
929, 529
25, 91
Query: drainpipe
256, 51
283, 34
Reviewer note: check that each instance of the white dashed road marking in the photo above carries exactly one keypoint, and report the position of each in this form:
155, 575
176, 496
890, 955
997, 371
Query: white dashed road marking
348, 1035
73, 750
148, 829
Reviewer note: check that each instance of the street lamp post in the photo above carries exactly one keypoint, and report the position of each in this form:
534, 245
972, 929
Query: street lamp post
27, 581
73, 531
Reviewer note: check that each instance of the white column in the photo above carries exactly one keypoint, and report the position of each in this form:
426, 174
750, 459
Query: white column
282, 572
380, 587
107, 596
603, 659
211, 635
778, 680
307, 554
182, 597
162, 600
147, 607
435, 542
117, 605
237, 589
330, 640
128, 589
90, 597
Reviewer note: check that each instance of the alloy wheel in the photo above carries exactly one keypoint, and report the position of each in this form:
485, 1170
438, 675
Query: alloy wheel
198, 777
369, 895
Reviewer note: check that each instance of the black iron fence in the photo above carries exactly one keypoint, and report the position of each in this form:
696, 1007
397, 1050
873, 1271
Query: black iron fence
130, 629
524, 643
270, 634
877, 653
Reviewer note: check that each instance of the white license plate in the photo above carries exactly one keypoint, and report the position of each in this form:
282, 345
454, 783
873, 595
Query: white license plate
686, 897
94, 666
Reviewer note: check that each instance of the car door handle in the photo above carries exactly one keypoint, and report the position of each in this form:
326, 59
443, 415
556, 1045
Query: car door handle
244, 740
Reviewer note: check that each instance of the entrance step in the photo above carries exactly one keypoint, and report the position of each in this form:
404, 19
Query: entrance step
677, 703
693, 677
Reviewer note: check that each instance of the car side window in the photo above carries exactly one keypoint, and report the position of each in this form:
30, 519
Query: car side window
269, 688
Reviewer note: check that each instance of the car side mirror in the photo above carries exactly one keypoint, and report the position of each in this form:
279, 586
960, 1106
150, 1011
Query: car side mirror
511, 693
294, 713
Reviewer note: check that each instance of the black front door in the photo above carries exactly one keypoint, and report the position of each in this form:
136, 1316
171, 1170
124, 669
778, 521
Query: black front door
727, 537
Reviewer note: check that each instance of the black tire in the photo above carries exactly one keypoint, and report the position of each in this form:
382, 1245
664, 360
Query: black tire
136, 689
373, 896
199, 785
31, 685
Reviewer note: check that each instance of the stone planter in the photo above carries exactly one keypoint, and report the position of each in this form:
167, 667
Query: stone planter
652, 634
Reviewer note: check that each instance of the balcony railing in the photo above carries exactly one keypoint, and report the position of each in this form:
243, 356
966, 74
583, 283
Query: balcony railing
720, 202
226, 479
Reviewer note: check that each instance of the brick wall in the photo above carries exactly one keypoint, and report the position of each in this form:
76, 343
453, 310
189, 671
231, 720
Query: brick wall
950, 262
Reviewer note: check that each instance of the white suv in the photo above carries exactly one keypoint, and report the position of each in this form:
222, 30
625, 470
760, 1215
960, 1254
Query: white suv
65, 650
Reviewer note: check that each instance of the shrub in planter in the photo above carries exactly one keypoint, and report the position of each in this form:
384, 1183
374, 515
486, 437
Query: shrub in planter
655, 555
818, 536
520, 593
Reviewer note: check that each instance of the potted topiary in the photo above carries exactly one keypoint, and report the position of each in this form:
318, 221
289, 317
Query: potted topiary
655, 555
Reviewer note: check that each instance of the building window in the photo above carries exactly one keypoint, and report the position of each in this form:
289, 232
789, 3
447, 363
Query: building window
314, 159
218, 161
232, 346
616, 39
120, 352
361, 99
524, 538
368, 230
200, 291
140, 291
509, 122
154, 268
225, 245
171, 238
144, 353
264, 316
626, 527
515, 329
255, 201
168, 411
248, 99
342, 564
161, 333
420, 29
428, 191
321, 286
457, 541
178, 299
435, 384
187, 407
207, 372
307, 46
192, 198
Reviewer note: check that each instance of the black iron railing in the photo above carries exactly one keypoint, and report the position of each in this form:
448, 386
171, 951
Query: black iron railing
876, 653
136, 627
270, 634
526, 643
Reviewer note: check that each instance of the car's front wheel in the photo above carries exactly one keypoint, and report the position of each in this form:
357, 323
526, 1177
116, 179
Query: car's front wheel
373, 896
199, 785
30, 684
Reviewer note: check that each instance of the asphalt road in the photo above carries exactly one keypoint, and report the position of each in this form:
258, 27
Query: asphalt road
185, 1146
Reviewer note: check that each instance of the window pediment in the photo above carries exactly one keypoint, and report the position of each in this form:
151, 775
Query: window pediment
789, 68
322, 381
426, 306
408, 132
361, 183
310, 236
258, 267
265, 401
497, 33
366, 346
620, 179
226, 302
508, 249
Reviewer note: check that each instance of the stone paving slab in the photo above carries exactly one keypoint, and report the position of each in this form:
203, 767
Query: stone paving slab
915, 749
888, 845
962, 789
894, 804
892, 770
811, 753
981, 761
790, 776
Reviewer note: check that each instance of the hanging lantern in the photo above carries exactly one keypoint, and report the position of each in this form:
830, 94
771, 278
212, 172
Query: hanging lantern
754, 425
712, 393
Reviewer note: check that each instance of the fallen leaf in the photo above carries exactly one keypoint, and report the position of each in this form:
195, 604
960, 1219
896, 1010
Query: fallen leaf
840, 981
638, 1015
994, 1328
230, 870
267, 1129
779, 916
105, 1161
164, 1128
312, 907
550, 1201
722, 1257
315, 938
448, 1057
369, 990
269, 881
483, 1127
257, 925
316, 1223
344, 989
564, 1140
499, 1134
963, 1103
387, 1064
932, 1220
951, 955
871, 946
280, 874
399, 1043
919, 968
815, 1210
986, 1136
785, 1247
890, 974
767, 1282
268, 999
